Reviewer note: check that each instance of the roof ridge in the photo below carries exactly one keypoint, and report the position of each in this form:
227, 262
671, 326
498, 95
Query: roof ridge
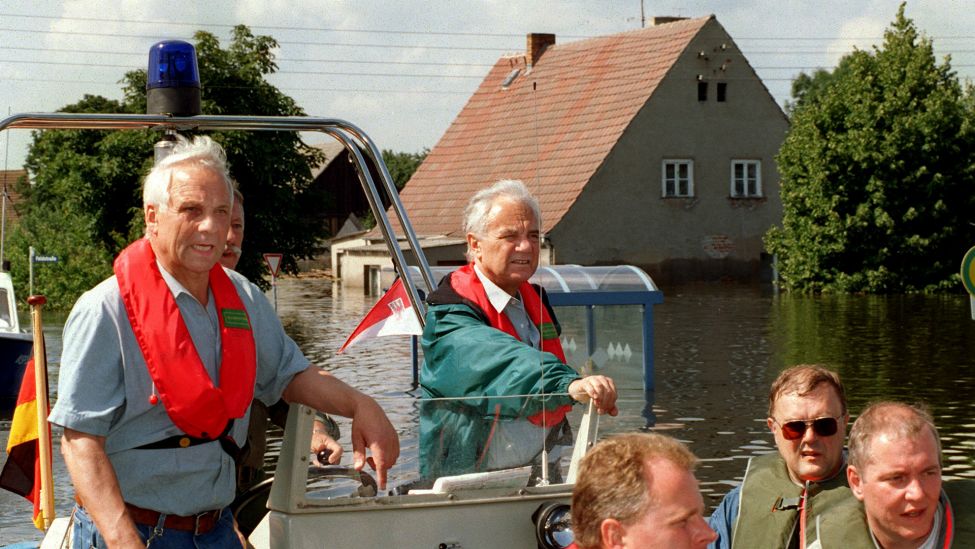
662, 29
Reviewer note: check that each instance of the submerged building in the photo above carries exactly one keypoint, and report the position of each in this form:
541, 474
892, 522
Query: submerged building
653, 147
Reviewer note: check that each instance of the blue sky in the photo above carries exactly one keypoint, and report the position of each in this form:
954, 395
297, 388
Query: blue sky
402, 70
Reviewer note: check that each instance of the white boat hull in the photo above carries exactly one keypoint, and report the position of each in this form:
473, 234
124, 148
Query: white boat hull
481, 522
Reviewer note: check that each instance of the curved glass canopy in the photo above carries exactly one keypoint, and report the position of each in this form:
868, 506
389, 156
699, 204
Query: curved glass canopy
570, 278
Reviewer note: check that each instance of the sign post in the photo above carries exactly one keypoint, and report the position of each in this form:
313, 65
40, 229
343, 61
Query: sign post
968, 277
273, 264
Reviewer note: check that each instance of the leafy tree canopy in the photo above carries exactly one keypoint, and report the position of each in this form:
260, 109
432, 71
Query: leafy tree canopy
806, 88
85, 201
401, 167
877, 173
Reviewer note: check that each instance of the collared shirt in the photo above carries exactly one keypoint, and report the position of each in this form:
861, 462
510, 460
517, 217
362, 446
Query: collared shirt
511, 306
104, 388
515, 442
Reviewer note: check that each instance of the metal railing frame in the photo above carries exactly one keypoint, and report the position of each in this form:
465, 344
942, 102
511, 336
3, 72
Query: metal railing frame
359, 145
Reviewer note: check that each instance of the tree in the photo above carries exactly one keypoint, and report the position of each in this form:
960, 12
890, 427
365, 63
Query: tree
401, 167
877, 174
91, 180
806, 88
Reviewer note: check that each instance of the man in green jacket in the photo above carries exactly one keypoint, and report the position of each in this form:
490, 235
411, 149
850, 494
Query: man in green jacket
495, 380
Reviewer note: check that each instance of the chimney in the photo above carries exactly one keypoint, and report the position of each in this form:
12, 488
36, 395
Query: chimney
666, 19
537, 42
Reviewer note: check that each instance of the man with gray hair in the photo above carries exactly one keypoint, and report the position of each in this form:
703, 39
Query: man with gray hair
161, 363
492, 350
895, 471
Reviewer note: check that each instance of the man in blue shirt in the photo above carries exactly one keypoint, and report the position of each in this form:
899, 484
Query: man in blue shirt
807, 416
145, 374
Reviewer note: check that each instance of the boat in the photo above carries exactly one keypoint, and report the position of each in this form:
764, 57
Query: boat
15, 348
514, 507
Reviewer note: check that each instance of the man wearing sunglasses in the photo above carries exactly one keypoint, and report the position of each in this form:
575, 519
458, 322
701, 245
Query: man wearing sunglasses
785, 497
895, 470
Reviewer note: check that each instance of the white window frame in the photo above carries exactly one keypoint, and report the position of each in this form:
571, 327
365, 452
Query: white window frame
745, 181
675, 179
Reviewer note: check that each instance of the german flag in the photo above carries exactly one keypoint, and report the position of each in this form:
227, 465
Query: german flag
21, 473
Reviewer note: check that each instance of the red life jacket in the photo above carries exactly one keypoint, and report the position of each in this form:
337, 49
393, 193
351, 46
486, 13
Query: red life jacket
466, 283
193, 403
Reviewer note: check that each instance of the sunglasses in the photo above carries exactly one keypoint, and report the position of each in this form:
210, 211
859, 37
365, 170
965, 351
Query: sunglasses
823, 426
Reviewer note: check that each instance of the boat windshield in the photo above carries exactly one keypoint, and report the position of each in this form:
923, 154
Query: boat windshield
529, 434
486, 442
501, 429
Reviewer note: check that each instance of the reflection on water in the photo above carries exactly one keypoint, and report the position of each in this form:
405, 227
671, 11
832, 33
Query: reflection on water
717, 350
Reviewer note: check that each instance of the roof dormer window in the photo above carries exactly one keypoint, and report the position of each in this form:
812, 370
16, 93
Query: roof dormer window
510, 78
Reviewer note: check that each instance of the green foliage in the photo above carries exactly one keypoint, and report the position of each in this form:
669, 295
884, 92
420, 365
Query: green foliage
807, 89
877, 174
86, 198
62, 232
401, 167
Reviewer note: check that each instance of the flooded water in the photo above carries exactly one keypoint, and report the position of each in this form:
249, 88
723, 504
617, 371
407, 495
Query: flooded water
717, 349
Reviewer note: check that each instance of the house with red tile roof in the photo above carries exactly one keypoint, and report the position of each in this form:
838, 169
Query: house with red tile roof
653, 147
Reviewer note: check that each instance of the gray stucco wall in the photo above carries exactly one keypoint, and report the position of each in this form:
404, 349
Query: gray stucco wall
621, 216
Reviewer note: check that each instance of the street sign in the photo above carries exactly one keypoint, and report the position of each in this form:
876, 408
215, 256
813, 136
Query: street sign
34, 258
968, 277
968, 271
273, 262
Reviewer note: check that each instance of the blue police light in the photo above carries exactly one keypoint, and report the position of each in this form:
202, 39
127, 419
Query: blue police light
173, 85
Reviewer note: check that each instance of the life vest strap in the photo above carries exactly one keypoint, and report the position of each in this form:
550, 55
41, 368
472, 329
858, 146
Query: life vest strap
227, 443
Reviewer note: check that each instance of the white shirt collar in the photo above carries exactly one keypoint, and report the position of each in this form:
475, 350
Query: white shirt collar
499, 298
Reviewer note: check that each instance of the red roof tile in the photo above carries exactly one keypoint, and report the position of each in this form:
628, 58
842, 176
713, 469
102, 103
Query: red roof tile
551, 128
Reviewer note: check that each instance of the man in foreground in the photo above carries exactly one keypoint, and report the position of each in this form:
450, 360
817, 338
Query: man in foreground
638, 491
782, 494
491, 346
161, 363
895, 470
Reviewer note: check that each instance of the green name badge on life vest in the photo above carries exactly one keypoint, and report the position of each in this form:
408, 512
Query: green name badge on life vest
235, 318
548, 331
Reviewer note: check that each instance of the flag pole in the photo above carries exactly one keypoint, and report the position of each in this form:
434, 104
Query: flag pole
43, 432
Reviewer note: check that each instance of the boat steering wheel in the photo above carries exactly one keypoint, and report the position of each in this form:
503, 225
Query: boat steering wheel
250, 507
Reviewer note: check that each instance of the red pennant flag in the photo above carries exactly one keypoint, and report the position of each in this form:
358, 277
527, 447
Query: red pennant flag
21, 473
392, 315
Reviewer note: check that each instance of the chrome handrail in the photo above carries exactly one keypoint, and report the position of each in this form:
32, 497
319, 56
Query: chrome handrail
352, 138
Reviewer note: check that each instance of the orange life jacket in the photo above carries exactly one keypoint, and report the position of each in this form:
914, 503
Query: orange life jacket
193, 403
465, 282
